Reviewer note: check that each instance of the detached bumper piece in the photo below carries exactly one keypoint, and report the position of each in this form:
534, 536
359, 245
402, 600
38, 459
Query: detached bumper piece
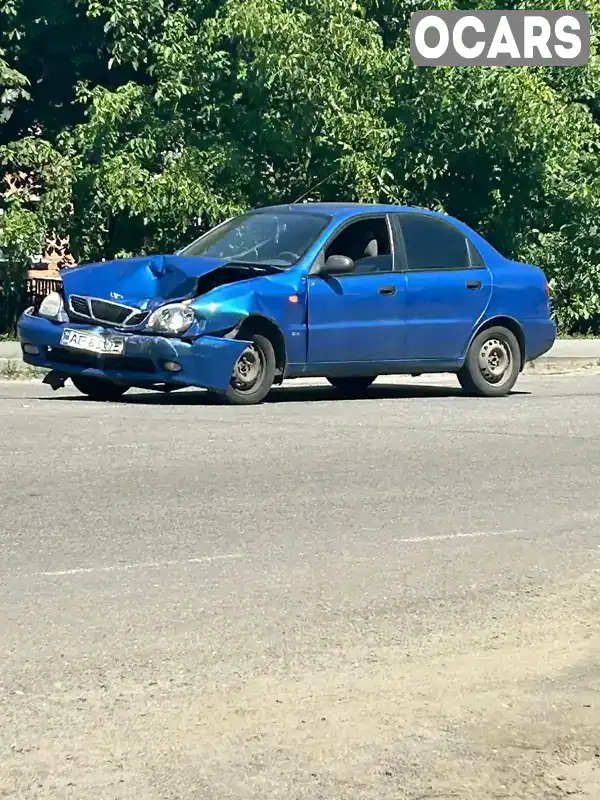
55, 379
147, 361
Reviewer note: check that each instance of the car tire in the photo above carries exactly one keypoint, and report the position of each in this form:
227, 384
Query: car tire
492, 365
352, 386
99, 389
253, 373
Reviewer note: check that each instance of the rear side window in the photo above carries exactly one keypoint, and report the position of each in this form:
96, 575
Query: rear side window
431, 243
475, 255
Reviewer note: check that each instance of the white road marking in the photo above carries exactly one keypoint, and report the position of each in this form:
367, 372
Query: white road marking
226, 556
135, 565
459, 536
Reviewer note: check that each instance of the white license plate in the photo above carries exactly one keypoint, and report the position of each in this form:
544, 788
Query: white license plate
92, 342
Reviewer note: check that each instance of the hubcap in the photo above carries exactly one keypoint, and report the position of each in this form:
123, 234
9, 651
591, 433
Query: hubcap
495, 361
248, 369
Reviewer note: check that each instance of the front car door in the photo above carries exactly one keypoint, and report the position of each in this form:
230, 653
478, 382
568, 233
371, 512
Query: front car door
357, 317
448, 286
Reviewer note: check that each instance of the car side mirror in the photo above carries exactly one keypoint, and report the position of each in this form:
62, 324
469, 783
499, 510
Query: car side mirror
337, 265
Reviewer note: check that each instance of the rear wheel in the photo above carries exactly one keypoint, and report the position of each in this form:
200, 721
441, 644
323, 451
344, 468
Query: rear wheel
253, 373
492, 364
352, 386
99, 389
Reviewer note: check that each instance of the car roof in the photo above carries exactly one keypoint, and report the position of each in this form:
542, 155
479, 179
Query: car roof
346, 209
341, 211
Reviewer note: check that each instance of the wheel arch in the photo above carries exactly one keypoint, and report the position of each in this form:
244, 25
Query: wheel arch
256, 323
510, 324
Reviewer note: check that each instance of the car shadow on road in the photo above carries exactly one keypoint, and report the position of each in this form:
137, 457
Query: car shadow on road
289, 394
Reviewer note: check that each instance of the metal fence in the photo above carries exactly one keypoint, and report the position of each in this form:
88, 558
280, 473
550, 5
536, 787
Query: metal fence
16, 296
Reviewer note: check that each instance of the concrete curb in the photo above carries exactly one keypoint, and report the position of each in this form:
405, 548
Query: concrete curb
560, 364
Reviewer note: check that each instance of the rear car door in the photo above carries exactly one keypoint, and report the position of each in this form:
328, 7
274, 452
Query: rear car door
448, 286
358, 317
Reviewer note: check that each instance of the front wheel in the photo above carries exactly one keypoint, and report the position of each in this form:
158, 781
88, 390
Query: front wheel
99, 389
352, 386
492, 364
253, 373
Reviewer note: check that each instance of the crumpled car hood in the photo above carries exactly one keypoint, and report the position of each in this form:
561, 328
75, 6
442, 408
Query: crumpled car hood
144, 282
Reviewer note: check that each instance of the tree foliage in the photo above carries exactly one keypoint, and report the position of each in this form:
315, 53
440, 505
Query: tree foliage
144, 121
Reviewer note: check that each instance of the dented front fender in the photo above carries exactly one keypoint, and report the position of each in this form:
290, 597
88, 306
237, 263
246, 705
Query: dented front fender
279, 298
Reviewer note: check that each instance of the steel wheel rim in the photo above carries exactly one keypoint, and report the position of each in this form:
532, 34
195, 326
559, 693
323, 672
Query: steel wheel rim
495, 361
248, 369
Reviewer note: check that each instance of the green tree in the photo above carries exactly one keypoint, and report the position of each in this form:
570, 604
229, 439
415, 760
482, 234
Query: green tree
173, 114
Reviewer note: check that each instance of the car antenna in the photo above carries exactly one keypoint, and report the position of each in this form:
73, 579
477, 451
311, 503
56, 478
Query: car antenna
316, 186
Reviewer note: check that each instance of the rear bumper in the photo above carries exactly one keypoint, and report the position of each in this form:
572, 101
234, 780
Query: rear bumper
206, 362
540, 335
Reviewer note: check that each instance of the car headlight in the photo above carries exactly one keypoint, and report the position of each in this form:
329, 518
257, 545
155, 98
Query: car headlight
175, 319
51, 306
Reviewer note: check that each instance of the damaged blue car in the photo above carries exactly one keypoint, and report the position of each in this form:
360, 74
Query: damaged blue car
343, 291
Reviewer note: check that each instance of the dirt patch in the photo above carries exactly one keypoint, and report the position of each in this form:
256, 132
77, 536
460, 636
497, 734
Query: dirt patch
510, 709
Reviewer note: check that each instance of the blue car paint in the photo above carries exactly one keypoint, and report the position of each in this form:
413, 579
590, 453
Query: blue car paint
337, 325
268, 297
145, 281
347, 314
211, 357
441, 313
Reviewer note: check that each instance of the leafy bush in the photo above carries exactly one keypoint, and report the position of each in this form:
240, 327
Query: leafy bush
149, 120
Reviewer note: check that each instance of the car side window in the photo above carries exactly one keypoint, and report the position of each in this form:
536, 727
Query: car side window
367, 242
431, 243
474, 255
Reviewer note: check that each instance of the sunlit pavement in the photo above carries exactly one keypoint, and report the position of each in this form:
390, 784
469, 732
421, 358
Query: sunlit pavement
391, 597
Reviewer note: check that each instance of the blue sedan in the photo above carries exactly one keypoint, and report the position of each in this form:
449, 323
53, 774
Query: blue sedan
336, 290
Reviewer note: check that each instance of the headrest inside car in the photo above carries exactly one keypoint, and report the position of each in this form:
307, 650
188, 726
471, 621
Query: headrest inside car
372, 250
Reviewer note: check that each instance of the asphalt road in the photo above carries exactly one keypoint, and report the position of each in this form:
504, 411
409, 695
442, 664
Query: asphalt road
394, 597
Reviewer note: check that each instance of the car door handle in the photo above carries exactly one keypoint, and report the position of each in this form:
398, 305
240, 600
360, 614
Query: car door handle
385, 290
473, 284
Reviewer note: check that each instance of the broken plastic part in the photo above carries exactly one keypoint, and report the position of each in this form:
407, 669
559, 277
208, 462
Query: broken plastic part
55, 379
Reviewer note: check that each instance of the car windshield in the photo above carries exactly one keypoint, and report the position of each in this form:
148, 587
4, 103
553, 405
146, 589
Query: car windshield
277, 239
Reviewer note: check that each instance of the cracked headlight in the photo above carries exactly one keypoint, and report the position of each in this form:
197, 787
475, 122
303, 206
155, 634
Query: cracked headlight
51, 306
174, 319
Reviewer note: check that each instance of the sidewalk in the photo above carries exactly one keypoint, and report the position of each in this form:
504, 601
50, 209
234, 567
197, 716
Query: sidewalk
10, 350
567, 355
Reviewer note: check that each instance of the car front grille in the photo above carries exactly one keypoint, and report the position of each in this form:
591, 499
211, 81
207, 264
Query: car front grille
109, 312
80, 306
60, 355
105, 312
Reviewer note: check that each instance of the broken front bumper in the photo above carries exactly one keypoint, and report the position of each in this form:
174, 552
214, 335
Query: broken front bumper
206, 362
